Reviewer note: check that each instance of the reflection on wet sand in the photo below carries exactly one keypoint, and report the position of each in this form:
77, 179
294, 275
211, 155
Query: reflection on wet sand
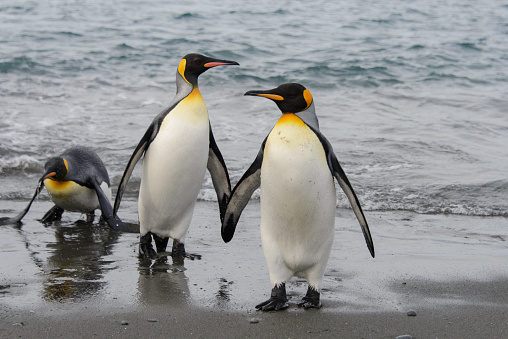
223, 296
75, 265
163, 281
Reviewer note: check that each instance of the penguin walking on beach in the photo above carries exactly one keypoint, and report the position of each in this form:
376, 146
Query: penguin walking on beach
76, 181
295, 169
179, 146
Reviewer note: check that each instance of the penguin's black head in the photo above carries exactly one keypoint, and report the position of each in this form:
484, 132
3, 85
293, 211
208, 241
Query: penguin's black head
290, 98
192, 65
56, 168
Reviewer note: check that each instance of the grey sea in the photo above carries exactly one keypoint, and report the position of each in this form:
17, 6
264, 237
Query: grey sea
413, 96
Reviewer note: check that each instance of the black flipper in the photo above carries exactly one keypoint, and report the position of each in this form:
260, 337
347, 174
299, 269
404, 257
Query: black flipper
241, 194
220, 177
344, 183
16, 219
143, 144
54, 214
107, 210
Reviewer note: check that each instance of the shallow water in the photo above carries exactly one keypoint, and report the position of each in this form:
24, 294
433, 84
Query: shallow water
74, 262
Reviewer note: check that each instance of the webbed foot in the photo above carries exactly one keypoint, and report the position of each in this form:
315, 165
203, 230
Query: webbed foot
278, 300
179, 251
311, 299
146, 250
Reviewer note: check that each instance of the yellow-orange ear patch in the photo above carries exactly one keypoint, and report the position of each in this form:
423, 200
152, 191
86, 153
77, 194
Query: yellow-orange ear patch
66, 164
181, 68
308, 97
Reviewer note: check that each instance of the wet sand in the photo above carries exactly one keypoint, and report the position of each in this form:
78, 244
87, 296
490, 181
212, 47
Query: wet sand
74, 279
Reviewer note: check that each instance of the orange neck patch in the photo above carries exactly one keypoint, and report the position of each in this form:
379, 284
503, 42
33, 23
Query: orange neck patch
290, 118
57, 185
195, 94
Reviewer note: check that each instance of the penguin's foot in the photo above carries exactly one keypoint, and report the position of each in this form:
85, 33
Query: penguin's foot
160, 243
311, 299
179, 251
90, 217
54, 214
278, 300
146, 250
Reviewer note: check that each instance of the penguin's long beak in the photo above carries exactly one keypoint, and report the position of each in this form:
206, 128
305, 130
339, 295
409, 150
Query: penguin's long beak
216, 62
265, 94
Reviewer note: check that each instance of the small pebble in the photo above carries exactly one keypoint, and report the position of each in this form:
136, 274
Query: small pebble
254, 321
152, 320
411, 313
125, 322
405, 336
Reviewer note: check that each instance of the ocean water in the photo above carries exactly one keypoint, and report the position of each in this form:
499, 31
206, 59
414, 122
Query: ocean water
412, 95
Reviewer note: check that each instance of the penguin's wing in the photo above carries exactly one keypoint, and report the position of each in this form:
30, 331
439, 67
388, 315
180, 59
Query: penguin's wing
145, 141
219, 173
240, 196
107, 210
16, 219
344, 183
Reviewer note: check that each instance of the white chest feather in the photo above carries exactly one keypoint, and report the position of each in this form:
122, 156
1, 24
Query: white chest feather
174, 166
73, 197
297, 193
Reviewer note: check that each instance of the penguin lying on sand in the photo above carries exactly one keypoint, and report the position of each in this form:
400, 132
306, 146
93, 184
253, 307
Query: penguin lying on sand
295, 168
179, 146
76, 181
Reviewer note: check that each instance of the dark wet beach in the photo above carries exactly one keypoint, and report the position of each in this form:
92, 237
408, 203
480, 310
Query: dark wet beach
75, 274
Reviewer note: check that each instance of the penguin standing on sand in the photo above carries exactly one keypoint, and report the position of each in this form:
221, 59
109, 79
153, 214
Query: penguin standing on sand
178, 146
295, 168
76, 181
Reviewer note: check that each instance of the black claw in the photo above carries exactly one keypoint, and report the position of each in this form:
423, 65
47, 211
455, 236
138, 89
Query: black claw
311, 299
278, 300
54, 214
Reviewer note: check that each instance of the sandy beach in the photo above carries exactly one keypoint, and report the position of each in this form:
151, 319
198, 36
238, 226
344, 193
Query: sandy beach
74, 279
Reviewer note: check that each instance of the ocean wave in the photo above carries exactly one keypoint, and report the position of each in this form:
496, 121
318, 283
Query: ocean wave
470, 200
24, 195
22, 64
486, 199
19, 165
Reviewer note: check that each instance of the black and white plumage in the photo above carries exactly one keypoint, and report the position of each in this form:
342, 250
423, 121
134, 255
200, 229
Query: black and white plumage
178, 147
295, 168
76, 181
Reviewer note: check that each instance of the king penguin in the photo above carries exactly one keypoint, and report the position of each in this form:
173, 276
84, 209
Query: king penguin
76, 181
178, 146
295, 169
